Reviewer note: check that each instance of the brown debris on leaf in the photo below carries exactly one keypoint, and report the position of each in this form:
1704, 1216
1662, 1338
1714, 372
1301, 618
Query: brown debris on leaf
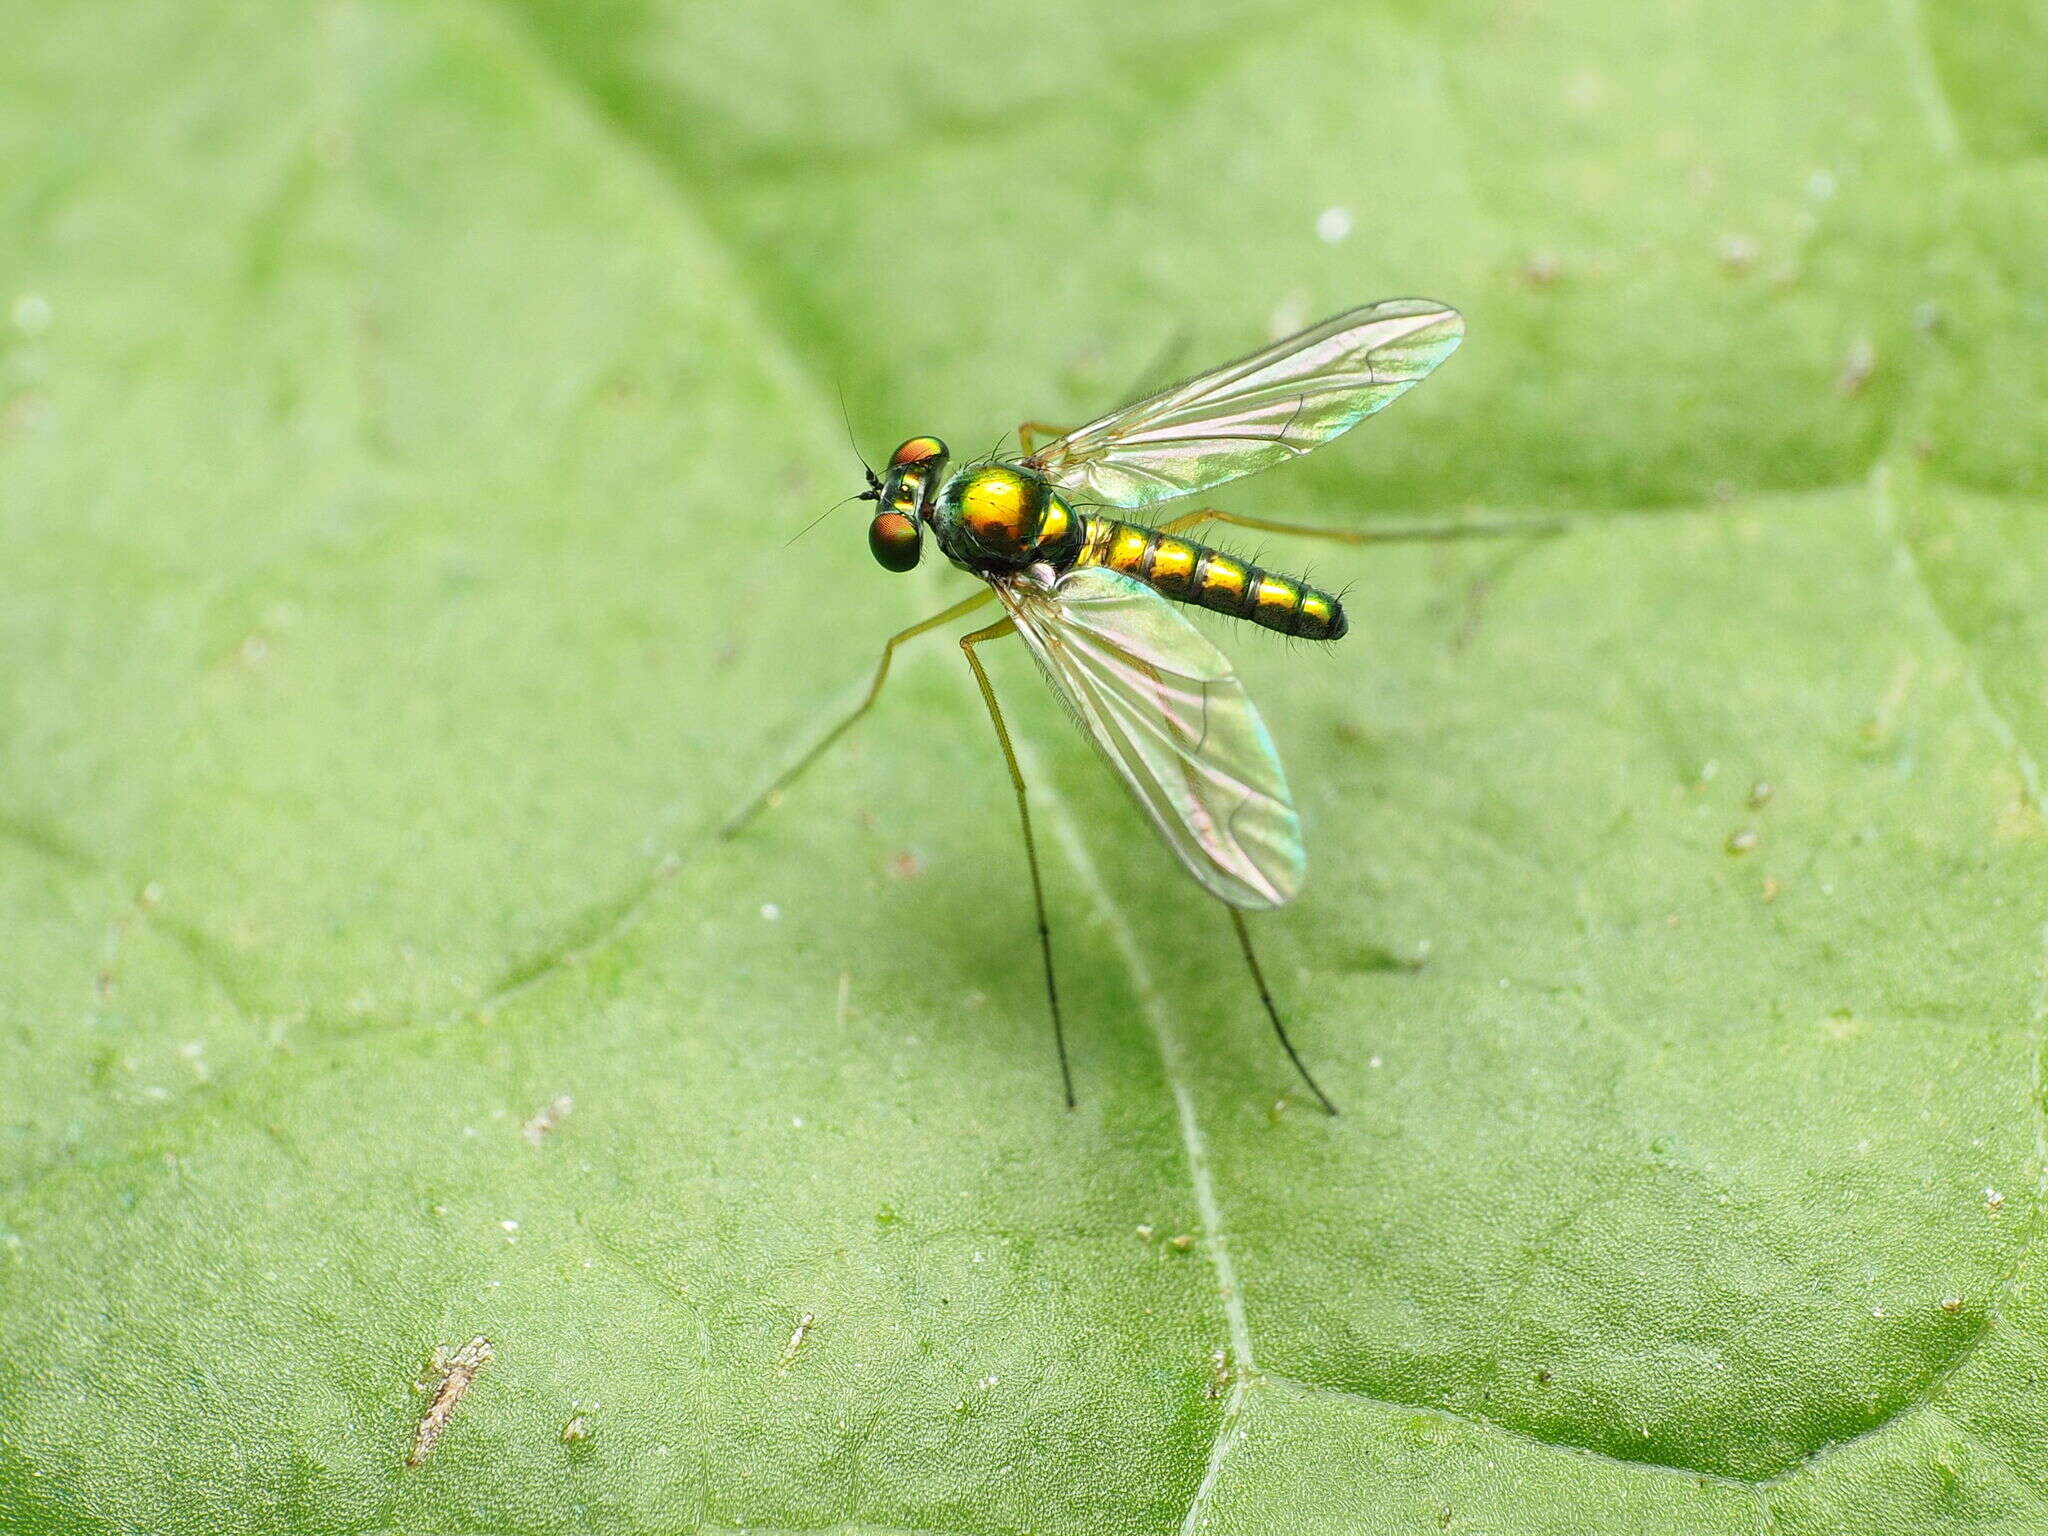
450, 1375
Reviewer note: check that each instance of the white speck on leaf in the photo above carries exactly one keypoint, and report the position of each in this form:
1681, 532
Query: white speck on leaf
31, 313
1858, 364
1333, 225
1288, 316
796, 1340
1738, 252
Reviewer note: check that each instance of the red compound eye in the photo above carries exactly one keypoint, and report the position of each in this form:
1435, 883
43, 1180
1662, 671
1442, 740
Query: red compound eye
918, 450
895, 541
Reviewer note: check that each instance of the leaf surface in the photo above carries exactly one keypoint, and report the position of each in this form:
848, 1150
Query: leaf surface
403, 411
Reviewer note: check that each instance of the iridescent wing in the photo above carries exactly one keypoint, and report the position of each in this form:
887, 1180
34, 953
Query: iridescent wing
1248, 415
1169, 715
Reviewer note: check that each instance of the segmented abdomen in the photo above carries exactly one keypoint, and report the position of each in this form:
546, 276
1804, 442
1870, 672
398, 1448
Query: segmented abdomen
1194, 573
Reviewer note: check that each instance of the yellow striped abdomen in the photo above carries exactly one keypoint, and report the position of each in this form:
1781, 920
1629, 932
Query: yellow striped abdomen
1194, 573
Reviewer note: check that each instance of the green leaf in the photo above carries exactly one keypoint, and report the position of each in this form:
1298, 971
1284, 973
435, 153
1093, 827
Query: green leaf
404, 407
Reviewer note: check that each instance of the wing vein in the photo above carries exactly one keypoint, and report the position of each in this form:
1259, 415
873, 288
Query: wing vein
1224, 423
1163, 707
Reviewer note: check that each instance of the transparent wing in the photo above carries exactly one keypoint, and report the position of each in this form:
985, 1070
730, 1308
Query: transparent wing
1169, 715
1248, 415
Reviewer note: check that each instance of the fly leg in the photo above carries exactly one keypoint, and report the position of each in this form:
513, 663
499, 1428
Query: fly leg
1027, 430
996, 631
790, 775
1435, 533
1251, 959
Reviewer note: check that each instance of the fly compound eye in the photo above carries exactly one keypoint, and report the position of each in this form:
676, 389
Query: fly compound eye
896, 541
918, 450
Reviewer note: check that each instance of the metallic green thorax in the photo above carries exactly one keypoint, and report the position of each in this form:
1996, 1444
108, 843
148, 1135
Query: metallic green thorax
991, 518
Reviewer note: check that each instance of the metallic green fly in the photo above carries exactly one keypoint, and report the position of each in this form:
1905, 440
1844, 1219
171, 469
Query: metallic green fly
1092, 595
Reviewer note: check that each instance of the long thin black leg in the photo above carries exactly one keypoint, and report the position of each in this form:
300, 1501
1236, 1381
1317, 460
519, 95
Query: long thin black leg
988, 694
1244, 941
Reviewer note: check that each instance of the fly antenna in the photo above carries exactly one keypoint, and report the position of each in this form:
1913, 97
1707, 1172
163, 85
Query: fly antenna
847, 417
842, 501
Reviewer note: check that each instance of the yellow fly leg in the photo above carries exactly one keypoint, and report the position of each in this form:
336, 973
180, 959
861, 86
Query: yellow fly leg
790, 775
996, 631
1413, 533
1251, 959
1027, 430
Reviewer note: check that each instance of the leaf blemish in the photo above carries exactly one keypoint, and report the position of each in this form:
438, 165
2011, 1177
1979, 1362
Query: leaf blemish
796, 1340
1738, 253
546, 1118
1541, 269
449, 1378
1858, 365
1219, 1375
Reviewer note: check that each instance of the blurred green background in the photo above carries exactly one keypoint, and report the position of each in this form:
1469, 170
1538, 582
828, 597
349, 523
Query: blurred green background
404, 408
